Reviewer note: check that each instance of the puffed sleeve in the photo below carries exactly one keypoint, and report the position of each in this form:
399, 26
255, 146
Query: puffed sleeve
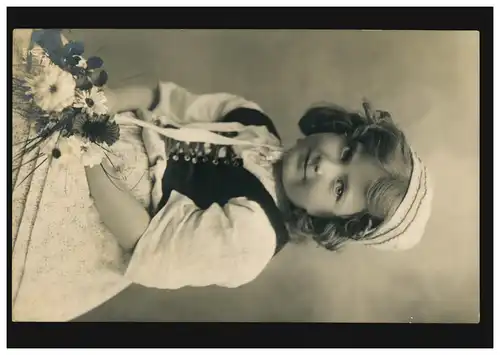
182, 107
226, 245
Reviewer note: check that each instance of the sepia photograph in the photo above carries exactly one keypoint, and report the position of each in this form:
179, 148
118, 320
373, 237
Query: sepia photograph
245, 175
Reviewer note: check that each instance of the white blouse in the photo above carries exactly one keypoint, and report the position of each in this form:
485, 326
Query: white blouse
184, 245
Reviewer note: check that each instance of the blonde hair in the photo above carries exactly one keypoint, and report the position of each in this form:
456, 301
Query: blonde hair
380, 138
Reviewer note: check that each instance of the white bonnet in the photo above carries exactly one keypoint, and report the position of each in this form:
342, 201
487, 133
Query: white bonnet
406, 227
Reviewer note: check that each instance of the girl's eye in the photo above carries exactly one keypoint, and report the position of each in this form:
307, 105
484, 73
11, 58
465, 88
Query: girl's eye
339, 188
346, 154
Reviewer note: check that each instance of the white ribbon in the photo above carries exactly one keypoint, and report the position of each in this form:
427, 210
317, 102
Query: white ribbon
199, 132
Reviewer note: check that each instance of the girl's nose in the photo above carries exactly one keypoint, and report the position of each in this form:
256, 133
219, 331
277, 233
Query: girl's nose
324, 167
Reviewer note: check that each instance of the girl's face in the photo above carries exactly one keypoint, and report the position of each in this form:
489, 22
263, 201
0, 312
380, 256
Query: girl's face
327, 177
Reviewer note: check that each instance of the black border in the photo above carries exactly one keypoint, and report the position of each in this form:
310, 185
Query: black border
416, 18
284, 335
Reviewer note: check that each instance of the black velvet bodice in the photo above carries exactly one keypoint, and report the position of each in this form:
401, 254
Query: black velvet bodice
210, 174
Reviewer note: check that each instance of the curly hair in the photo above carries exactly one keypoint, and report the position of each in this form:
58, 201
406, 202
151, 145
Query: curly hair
380, 138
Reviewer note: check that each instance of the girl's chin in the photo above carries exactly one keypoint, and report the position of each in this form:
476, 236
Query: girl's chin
290, 172
288, 157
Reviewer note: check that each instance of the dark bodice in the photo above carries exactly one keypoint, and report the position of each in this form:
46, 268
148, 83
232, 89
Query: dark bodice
210, 174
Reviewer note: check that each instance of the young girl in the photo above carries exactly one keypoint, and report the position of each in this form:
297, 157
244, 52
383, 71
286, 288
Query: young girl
221, 212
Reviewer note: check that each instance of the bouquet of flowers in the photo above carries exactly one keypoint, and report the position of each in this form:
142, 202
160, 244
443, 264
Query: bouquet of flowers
61, 93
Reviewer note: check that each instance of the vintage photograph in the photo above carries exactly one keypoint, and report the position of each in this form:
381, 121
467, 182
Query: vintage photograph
224, 175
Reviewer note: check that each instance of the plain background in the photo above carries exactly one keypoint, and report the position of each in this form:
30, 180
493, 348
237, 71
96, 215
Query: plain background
428, 80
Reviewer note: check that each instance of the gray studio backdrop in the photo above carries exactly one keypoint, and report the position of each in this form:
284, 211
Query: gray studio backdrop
429, 80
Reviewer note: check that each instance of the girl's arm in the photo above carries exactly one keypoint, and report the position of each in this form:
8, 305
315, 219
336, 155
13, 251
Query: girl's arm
170, 101
122, 214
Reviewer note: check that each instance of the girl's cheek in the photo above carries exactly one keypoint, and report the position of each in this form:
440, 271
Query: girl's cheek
314, 193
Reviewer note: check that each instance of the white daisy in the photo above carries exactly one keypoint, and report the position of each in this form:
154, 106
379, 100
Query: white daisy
53, 89
91, 153
91, 102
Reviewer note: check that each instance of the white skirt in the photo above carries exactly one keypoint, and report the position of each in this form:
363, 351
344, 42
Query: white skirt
65, 262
